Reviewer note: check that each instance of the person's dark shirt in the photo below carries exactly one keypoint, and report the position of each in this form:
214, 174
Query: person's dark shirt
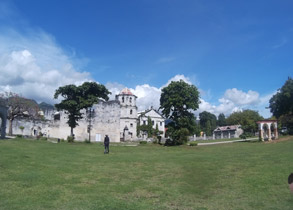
106, 140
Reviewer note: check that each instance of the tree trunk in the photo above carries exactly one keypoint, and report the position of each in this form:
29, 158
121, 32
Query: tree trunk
71, 132
10, 128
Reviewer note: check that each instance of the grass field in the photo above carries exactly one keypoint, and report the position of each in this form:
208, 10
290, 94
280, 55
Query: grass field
246, 175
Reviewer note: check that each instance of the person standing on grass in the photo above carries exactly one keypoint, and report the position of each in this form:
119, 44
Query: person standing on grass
290, 182
106, 144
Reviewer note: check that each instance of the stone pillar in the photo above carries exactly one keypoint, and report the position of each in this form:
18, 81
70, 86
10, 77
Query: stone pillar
222, 135
204, 136
213, 135
276, 133
194, 137
229, 135
270, 134
261, 135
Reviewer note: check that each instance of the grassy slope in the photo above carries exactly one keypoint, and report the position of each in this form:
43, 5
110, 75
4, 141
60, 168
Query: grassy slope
43, 175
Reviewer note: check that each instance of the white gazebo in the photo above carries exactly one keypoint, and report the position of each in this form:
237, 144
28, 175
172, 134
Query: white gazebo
268, 129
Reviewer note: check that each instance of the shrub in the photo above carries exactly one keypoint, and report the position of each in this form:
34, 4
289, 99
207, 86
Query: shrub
19, 136
87, 141
245, 135
62, 140
169, 142
193, 143
70, 139
142, 142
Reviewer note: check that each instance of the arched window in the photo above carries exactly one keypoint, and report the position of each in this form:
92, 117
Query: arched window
130, 111
130, 100
122, 99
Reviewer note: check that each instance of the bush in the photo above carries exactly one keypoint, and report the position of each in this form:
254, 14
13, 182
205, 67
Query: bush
19, 136
87, 141
142, 142
193, 143
70, 139
245, 135
169, 142
44, 138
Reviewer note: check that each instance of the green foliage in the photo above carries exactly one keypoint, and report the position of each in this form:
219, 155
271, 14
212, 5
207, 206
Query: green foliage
150, 127
208, 122
247, 119
246, 135
44, 138
76, 98
70, 139
282, 102
19, 136
177, 101
21, 128
87, 141
281, 105
193, 143
221, 120
142, 142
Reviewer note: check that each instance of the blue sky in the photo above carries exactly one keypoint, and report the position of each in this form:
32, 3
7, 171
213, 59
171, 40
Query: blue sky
238, 53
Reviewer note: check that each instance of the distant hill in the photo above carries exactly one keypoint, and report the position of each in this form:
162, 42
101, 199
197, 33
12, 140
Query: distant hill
45, 107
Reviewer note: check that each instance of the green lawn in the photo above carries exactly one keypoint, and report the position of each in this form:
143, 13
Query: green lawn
245, 175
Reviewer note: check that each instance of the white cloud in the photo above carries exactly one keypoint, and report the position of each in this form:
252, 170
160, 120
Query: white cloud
147, 96
176, 78
239, 97
35, 66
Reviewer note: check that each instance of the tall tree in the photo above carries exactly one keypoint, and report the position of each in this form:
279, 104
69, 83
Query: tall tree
246, 118
221, 120
19, 106
76, 98
281, 104
150, 127
208, 122
177, 101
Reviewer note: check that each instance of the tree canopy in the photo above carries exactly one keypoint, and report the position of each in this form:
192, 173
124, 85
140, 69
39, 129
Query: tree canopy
19, 106
246, 118
177, 101
281, 105
208, 122
76, 98
221, 120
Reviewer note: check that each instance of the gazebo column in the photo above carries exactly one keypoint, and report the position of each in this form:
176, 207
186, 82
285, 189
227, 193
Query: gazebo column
260, 131
276, 133
229, 135
270, 134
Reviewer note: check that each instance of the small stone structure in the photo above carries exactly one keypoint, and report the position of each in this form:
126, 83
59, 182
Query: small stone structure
227, 132
3, 116
268, 129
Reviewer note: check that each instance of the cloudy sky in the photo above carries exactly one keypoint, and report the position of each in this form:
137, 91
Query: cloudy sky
237, 53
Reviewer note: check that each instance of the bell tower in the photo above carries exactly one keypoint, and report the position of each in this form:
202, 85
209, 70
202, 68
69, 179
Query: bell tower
128, 114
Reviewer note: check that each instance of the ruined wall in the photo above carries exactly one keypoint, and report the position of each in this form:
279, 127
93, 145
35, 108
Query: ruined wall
105, 120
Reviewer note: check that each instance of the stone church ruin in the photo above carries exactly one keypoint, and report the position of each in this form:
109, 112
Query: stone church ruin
116, 118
